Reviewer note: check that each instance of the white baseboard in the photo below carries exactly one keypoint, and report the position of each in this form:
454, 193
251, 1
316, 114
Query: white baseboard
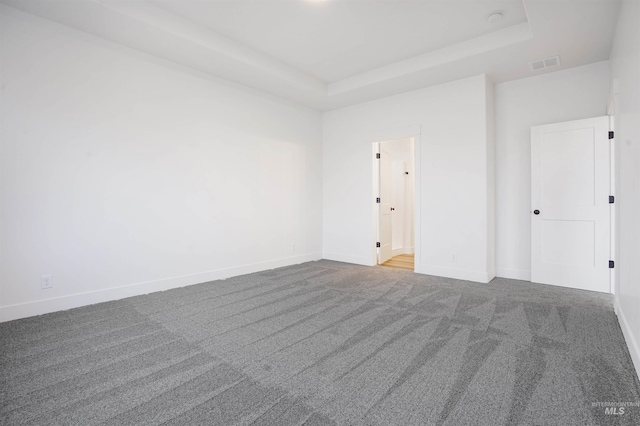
402, 250
514, 274
632, 344
348, 258
460, 274
39, 307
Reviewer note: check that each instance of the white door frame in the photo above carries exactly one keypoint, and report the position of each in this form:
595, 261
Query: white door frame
614, 221
374, 140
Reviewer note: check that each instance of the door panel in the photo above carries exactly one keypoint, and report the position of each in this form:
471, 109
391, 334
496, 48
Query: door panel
568, 242
568, 175
385, 250
570, 183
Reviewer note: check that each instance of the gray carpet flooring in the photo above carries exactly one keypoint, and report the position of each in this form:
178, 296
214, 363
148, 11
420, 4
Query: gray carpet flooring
323, 343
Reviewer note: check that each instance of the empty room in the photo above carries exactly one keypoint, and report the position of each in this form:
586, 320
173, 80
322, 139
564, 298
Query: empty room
320, 212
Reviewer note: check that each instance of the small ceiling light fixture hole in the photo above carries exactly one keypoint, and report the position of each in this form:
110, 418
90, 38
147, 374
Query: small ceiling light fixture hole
494, 17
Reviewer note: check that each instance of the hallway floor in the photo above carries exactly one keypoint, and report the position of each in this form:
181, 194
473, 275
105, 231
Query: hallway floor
402, 261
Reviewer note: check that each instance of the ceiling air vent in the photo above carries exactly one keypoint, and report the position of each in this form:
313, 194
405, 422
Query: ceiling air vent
537, 65
554, 61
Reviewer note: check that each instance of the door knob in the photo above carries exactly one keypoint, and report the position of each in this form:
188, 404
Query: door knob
536, 212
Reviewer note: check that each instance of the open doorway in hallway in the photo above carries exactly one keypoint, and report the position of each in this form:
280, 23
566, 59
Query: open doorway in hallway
395, 200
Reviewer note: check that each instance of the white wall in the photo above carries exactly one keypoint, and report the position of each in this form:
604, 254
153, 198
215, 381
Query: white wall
490, 207
122, 175
454, 184
571, 94
398, 204
409, 202
625, 77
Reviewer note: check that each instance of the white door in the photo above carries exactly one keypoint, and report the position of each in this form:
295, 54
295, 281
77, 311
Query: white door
384, 214
570, 211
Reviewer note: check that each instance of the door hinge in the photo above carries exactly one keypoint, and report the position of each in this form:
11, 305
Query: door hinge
612, 199
378, 244
611, 264
377, 155
610, 135
378, 200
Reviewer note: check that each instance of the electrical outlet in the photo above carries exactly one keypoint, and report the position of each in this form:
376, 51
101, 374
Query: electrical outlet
293, 248
46, 282
453, 258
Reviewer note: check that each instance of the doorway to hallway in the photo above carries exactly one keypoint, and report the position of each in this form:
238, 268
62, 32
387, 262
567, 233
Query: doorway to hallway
395, 201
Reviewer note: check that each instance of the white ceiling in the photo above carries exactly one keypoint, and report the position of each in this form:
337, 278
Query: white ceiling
333, 53
332, 40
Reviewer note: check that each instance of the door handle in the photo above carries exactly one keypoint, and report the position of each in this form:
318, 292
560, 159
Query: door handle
536, 212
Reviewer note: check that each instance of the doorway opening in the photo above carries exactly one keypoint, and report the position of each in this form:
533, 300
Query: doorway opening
395, 202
